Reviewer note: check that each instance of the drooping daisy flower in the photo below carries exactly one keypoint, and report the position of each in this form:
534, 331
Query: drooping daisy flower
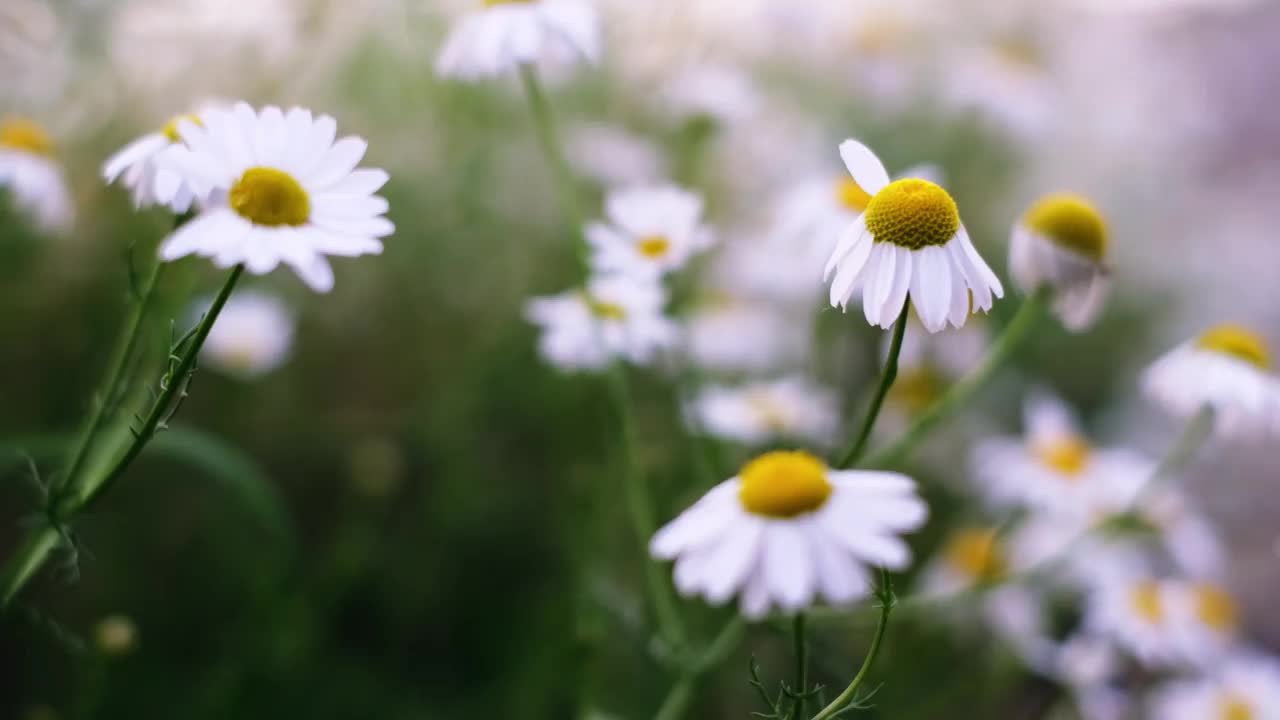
147, 180
1061, 243
909, 243
756, 413
650, 231
615, 317
504, 34
788, 529
1227, 368
279, 190
29, 172
1245, 687
1055, 468
252, 337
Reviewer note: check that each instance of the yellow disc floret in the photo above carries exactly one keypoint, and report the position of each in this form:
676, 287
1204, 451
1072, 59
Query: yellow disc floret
913, 214
171, 128
976, 554
1233, 708
269, 197
917, 389
1067, 454
784, 484
1147, 602
1215, 607
605, 310
1237, 341
851, 196
1071, 222
22, 133
653, 246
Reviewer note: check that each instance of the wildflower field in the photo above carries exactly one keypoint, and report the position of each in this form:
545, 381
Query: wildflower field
608, 360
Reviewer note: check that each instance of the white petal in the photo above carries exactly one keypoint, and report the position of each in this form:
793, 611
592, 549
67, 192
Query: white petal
735, 557
879, 280
338, 163
788, 567
851, 270
131, 154
897, 296
840, 577
365, 181
849, 239
317, 273
864, 166
931, 287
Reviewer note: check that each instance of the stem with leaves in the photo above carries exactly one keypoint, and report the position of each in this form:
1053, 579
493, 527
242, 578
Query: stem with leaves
850, 694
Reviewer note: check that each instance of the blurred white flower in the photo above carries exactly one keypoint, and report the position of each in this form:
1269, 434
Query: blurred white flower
1086, 664
1189, 539
756, 413
1227, 368
740, 335
1061, 242
909, 244
1205, 619
1055, 469
505, 34
278, 189
252, 336
1245, 687
650, 231
1007, 80
768, 271
788, 529
953, 352
615, 317
148, 181
970, 557
615, 157
720, 92
1135, 613
31, 175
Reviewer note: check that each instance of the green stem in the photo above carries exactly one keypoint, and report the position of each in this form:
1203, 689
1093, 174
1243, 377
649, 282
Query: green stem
661, 600
798, 709
549, 140
850, 693
678, 699
1189, 442
30, 557
887, 376
959, 394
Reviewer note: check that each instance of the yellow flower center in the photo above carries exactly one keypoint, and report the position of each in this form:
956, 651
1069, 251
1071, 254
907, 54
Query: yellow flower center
784, 484
606, 310
767, 410
976, 553
1145, 597
1071, 222
1019, 53
269, 197
171, 128
24, 134
1215, 607
1233, 708
916, 389
1237, 341
851, 195
913, 214
653, 246
1068, 454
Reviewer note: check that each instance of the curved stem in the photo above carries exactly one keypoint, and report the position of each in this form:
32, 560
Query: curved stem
1015, 333
30, 557
549, 140
798, 709
887, 376
850, 693
680, 696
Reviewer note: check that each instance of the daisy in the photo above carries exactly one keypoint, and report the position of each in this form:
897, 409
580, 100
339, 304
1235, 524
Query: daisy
719, 93
1245, 687
504, 34
278, 189
909, 244
1205, 619
615, 156
1061, 243
952, 354
1135, 612
1227, 368
760, 412
615, 317
1055, 468
788, 529
1188, 537
650, 231
252, 337
731, 334
969, 558
28, 171
147, 180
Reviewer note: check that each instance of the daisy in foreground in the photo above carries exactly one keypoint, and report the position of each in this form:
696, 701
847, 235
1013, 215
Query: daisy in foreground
787, 529
277, 189
252, 337
148, 181
1227, 368
504, 34
909, 243
1061, 243
615, 317
651, 231
1246, 687
29, 172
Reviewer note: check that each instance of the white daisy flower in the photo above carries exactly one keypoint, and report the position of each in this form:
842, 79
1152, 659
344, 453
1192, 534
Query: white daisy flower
1188, 537
615, 317
279, 190
1086, 664
952, 354
148, 181
757, 413
1136, 613
1007, 80
504, 34
615, 156
909, 243
650, 231
29, 173
787, 529
1061, 243
730, 334
1245, 687
252, 336
1054, 468
722, 93
1205, 619
1226, 368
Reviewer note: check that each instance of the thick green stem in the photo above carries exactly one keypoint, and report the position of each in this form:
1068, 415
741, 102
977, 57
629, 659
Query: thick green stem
30, 557
798, 709
549, 140
661, 598
887, 376
959, 394
676, 704
851, 693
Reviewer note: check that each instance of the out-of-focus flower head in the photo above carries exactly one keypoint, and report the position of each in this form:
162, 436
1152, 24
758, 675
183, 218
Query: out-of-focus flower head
252, 337
738, 334
1244, 687
32, 176
650, 231
615, 317
788, 529
499, 36
614, 156
148, 181
760, 412
1061, 242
